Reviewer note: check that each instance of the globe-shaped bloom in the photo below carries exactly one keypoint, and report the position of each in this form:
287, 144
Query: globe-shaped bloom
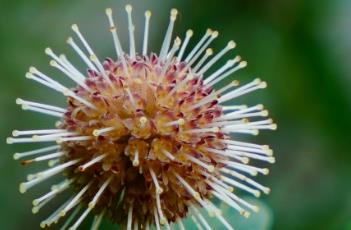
146, 139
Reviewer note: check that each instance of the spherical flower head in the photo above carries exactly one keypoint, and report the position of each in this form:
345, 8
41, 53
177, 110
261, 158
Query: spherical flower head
145, 139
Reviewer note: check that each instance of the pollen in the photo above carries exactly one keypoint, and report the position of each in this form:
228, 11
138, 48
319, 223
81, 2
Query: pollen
146, 139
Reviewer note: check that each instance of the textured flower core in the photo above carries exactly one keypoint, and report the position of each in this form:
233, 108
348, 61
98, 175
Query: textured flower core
143, 126
146, 140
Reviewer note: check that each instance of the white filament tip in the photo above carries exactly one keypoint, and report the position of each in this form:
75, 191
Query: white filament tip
74, 27
211, 168
53, 63
15, 133
48, 50
231, 45
189, 33
129, 8
178, 41
246, 214
28, 75
215, 34
235, 83
243, 64
22, 188
209, 31
257, 193
35, 202
209, 51
19, 101
69, 40
163, 221
35, 210
265, 171
260, 106
181, 121
265, 113
9, 140
16, 156
148, 13
257, 80
271, 160
108, 11
263, 85
174, 13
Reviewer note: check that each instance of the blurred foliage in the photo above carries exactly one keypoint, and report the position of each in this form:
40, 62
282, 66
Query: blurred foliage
301, 48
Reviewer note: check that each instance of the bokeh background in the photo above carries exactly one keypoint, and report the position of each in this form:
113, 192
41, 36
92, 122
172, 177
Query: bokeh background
301, 48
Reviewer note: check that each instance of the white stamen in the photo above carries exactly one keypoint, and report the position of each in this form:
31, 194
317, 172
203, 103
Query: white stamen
213, 96
167, 40
210, 168
241, 186
97, 221
233, 107
159, 190
252, 86
169, 59
188, 35
180, 223
17, 156
231, 45
79, 138
198, 45
219, 75
101, 69
219, 216
157, 222
131, 98
92, 162
20, 101
131, 29
192, 192
43, 111
168, 154
201, 218
98, 132
75, 200
16, 133
69, 74
214, 35
217, 181
209, 52
180, 121
255, 184
136, 158
54, 191
136, 224
80, 219
54, 216
146, 31
196, 222
72, 68
116, 42
67, 67
99, 192
203, 130
220, 194
45, 175
49, 156
81, 54
71, 217
130, 218
52, 163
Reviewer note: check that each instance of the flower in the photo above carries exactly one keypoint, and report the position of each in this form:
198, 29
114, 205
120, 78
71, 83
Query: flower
145, 138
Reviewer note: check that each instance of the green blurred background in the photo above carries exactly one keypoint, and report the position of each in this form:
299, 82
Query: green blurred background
301, 48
